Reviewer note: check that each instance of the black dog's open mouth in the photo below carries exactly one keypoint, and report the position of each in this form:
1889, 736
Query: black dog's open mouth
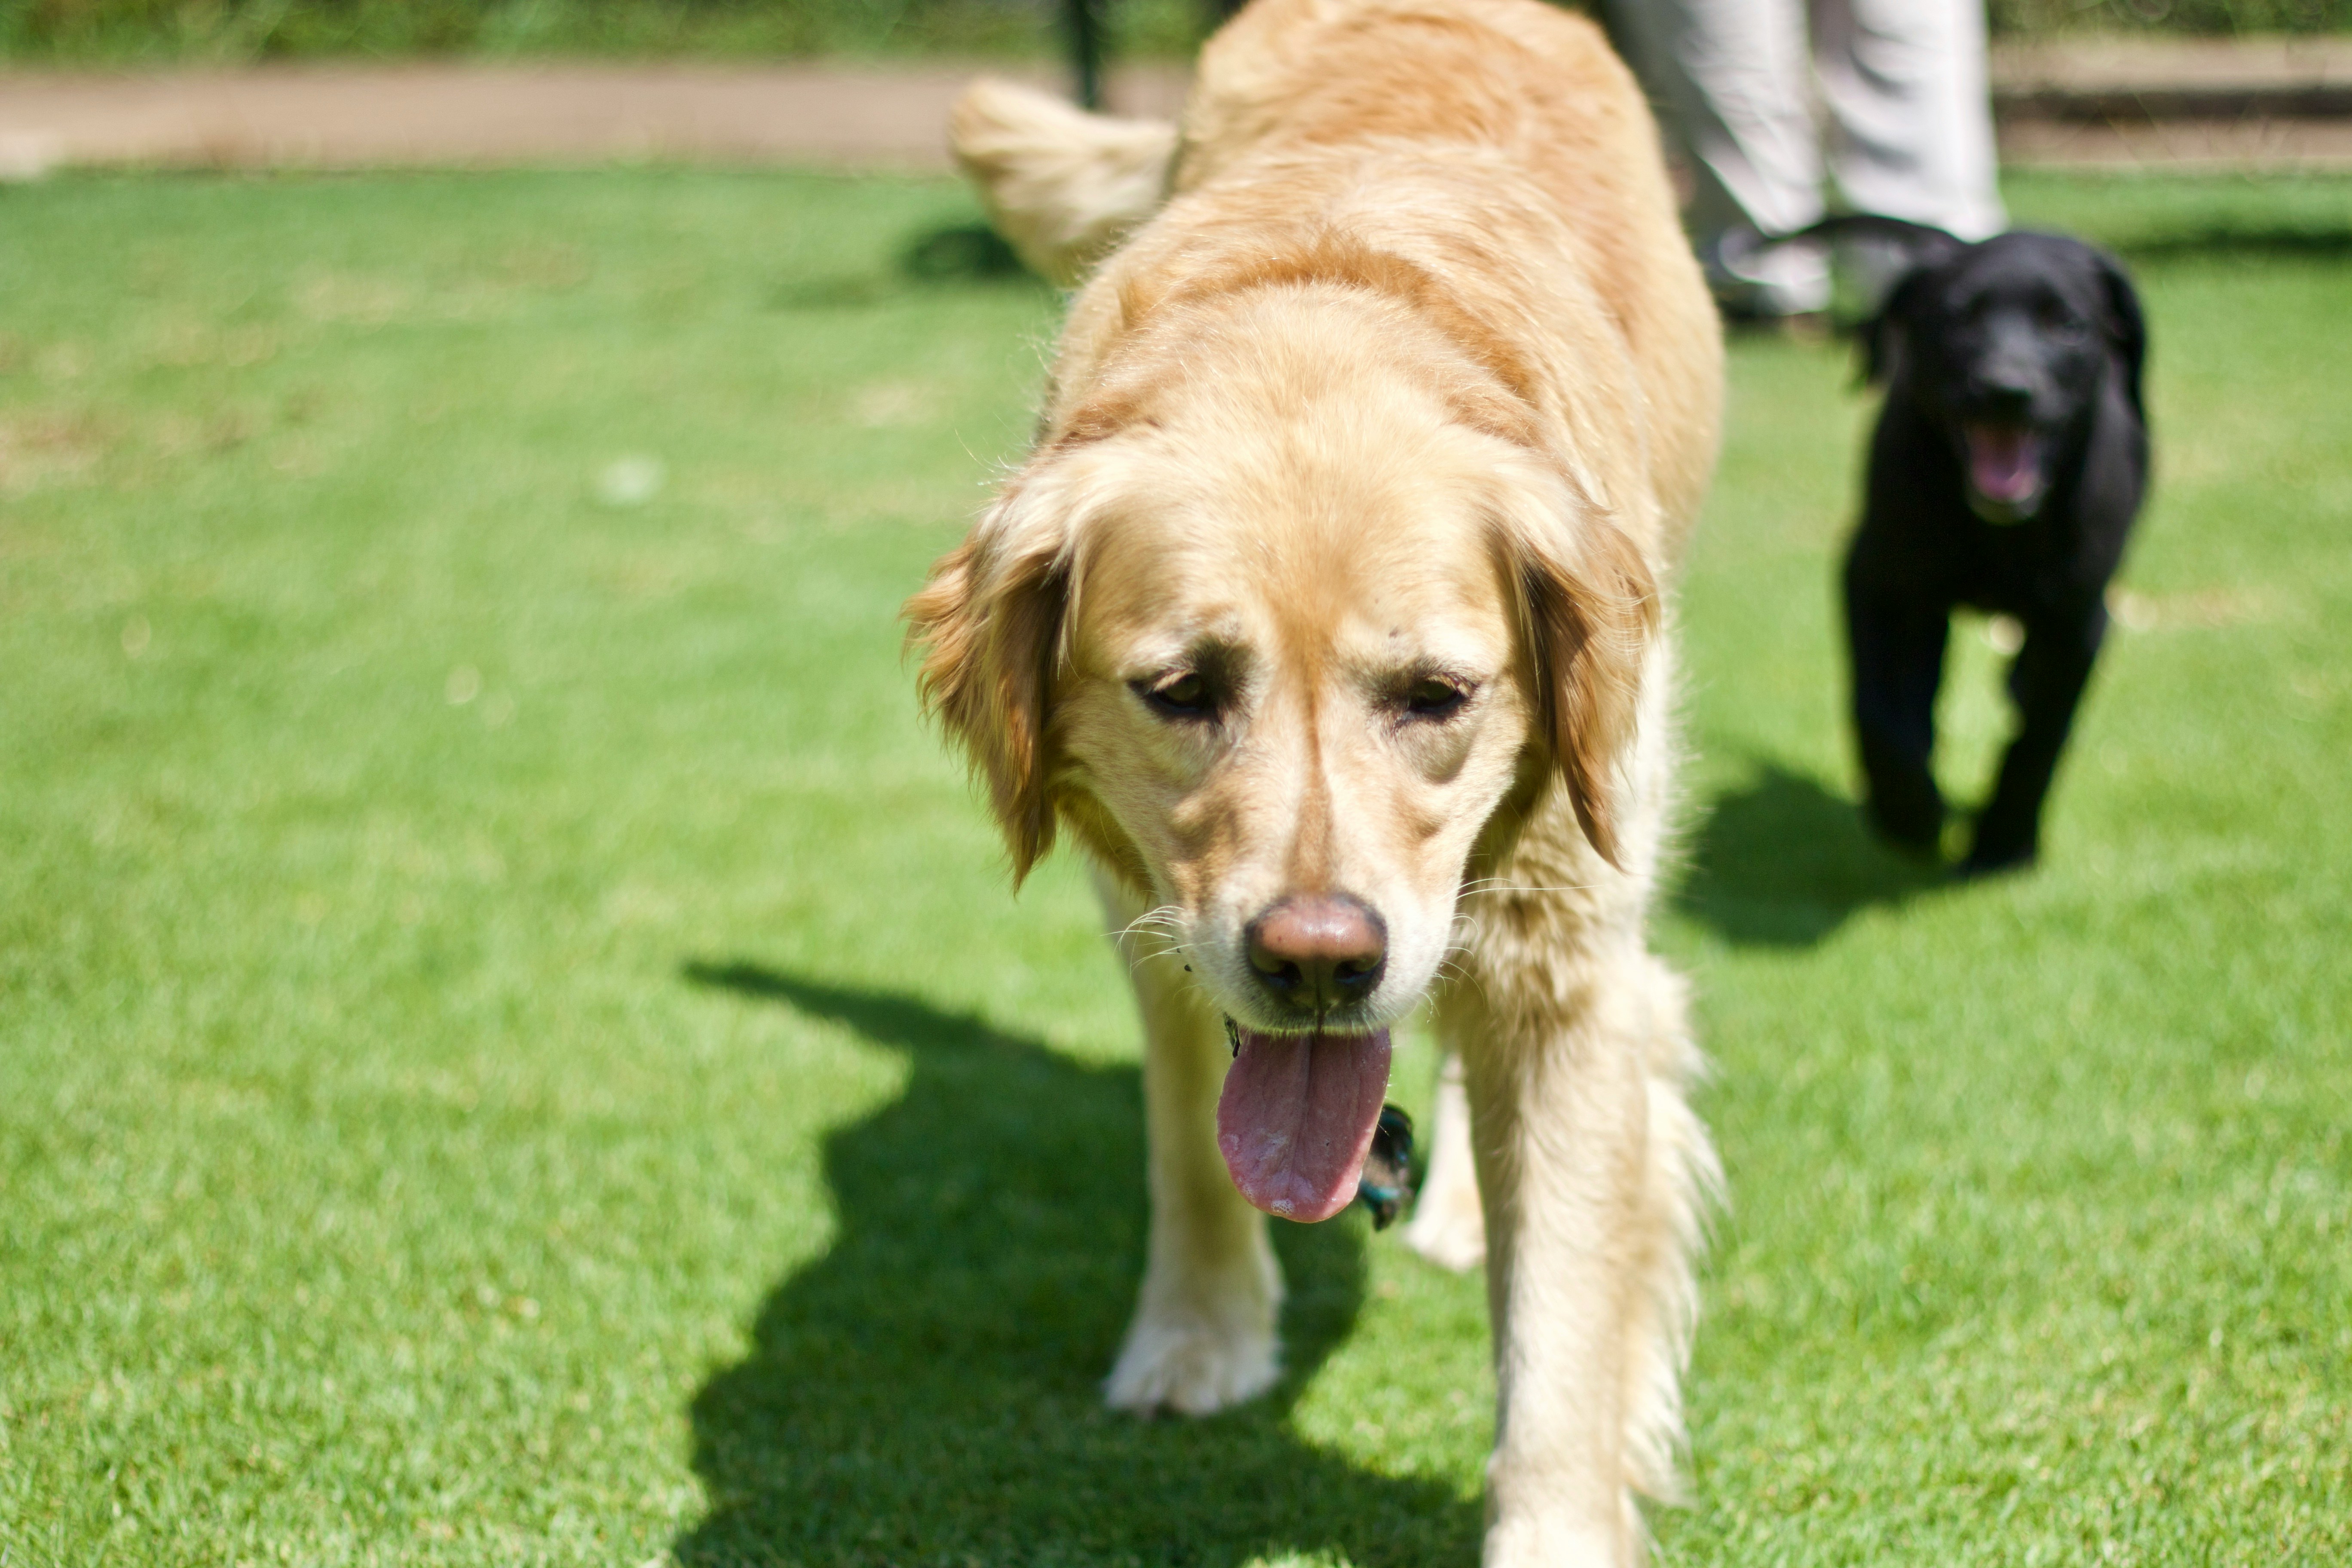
1298, 1116
2005, 469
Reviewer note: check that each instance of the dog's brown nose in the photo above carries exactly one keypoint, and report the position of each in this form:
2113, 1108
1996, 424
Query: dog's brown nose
1318, 951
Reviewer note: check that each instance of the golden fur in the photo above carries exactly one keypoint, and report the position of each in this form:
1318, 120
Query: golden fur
1412, 377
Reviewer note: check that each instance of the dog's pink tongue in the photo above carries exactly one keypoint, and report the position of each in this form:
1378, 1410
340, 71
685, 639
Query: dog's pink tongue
2004, 462
1297, 1116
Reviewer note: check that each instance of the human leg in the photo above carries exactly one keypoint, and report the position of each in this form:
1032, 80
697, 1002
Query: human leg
1730, 78
1910, 113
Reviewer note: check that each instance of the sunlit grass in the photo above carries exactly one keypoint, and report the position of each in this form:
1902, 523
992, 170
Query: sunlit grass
516, 1045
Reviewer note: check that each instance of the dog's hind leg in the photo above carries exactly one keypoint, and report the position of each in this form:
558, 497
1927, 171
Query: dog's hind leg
2046, 682
1061, 185
1447, 1227
1894, 643
1204, 1330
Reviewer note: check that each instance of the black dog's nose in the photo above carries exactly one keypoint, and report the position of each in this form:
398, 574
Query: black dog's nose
1318, 951
2006, 391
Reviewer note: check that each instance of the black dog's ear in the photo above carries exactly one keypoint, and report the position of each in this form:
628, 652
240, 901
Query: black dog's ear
2126, 327
1923, 247
1880, 337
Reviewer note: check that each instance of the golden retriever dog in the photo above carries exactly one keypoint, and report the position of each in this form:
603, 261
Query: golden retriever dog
1327, 615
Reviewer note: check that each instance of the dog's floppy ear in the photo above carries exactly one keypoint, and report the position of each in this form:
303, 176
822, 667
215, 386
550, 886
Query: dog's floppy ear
2126, 327
1588, 608
1918, 250
1915, 249
989, 621
1904, 309
1880, 336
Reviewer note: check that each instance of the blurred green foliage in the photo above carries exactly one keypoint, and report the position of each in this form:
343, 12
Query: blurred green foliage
130, 31
2051, 18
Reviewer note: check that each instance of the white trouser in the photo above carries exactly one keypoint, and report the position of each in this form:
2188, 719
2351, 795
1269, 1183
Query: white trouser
1909, 119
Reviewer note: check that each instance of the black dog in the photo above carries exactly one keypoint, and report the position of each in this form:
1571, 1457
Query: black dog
2005, 473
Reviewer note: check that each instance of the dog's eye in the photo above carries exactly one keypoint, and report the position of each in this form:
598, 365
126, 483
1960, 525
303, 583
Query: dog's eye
2061, 323
1184, 695
1434, 698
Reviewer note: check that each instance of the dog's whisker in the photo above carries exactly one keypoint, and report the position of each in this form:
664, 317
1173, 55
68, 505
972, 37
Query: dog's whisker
1167, 917
1463, 933
1155, 933
1139, 952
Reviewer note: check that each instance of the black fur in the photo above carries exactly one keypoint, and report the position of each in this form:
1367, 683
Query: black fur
2024, 343
1386, 1184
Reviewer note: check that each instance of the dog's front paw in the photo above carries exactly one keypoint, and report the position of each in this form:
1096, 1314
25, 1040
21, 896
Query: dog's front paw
1192, 1364
1995, 860
1522, 1543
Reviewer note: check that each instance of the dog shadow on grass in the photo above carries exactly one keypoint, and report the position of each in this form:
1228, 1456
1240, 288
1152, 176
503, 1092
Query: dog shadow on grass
1782, 862
926, 1391
944, 256
2227, 241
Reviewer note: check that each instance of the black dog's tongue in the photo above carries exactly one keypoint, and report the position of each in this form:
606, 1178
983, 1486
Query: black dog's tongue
1298, 1115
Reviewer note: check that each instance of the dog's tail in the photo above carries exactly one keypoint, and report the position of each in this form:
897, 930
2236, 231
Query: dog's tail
1062, 186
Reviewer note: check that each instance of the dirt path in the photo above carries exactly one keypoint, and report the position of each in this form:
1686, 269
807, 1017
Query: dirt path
2215, 103
341, 117
2181, 105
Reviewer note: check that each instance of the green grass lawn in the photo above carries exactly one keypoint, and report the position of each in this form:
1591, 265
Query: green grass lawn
515, 1045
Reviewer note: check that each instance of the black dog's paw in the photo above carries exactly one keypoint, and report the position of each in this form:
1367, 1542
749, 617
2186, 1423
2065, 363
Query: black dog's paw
1915, 825
1900, 801
1995, 860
